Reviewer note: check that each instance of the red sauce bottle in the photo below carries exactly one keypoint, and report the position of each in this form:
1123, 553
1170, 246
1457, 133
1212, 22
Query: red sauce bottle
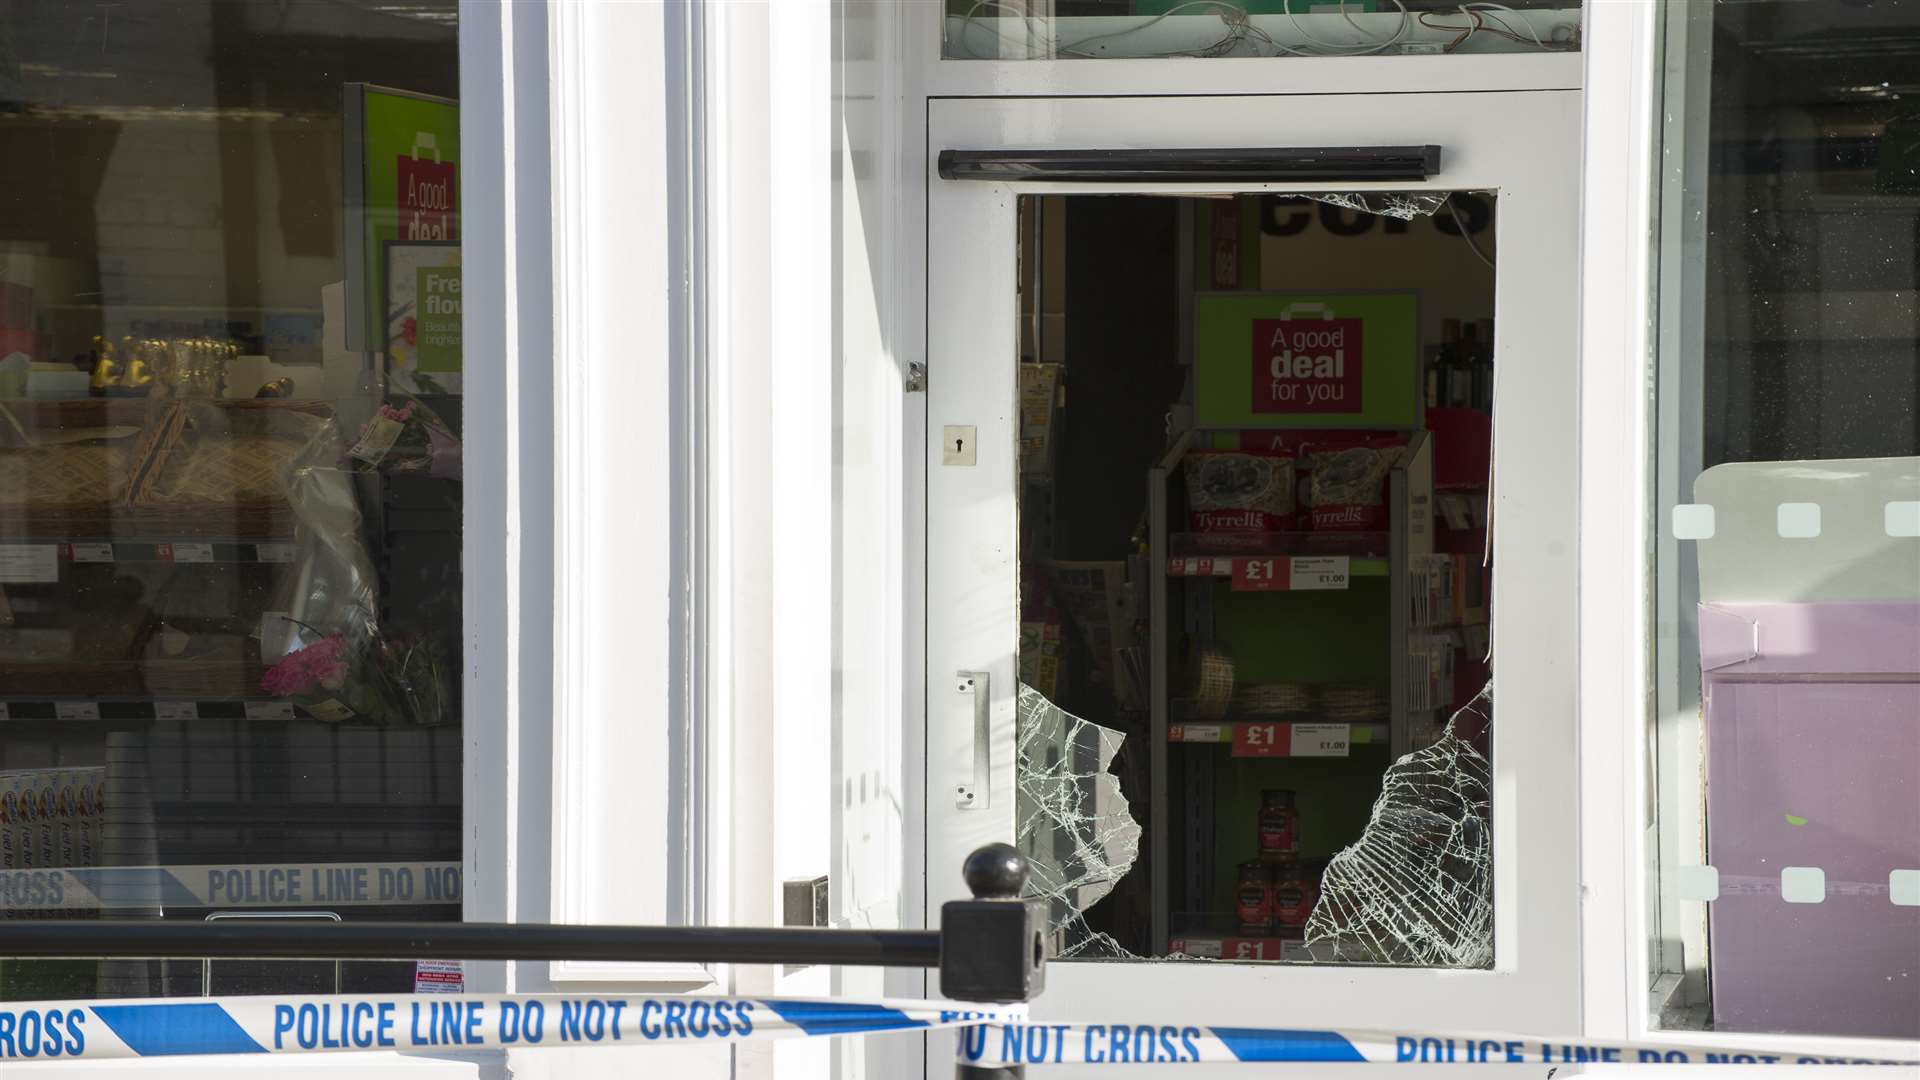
1253, 898
1279, 824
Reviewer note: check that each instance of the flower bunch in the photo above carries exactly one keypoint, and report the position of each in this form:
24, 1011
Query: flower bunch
407, 437
372, 678
319, 665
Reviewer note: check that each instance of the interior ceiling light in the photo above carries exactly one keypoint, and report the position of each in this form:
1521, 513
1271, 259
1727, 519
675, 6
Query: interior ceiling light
1315, 163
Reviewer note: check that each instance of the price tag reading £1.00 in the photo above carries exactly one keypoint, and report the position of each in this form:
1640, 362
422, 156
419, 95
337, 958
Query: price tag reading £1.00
1281, 573
1280, 739
1320, 740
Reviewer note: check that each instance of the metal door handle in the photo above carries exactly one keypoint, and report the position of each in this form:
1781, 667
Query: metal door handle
976, 795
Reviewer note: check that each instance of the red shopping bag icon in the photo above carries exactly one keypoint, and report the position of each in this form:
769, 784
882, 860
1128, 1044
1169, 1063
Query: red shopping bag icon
425, 193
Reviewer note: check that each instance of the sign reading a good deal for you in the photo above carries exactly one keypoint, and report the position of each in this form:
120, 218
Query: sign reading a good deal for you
1345, 360
401, 166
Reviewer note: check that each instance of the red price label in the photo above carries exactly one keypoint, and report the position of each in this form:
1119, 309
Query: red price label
1269, 574
1251, 949
1262, 740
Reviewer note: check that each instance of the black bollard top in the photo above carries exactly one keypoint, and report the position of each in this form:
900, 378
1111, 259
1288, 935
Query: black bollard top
996, 872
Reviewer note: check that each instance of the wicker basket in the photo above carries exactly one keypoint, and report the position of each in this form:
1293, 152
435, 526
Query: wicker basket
1259, 701
217, 468
68, 467
1211, 690
1354, 704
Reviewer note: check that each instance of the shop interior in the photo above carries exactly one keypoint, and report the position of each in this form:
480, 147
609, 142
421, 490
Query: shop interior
230, 499
1240, 611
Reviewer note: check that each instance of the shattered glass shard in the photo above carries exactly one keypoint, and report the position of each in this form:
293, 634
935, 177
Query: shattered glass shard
1417, 887
1405, 205
1071, 821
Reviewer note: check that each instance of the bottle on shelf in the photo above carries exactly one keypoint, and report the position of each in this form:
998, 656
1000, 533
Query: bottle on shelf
1459, 391
1483, 372
1439, 361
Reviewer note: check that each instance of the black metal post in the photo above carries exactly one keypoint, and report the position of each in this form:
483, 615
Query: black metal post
993, 947
156, 938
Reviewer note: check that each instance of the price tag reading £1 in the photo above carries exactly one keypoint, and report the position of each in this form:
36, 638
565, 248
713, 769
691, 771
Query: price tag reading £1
1279, 573
1264, 574
1261, 740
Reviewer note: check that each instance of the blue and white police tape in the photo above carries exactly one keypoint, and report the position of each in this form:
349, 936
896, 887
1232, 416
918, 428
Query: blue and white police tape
94, 1030
1026, 1042
323, 1023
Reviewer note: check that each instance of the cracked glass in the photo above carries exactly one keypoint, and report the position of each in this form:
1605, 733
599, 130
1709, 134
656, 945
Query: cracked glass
1071, 820
1253, 594
1417, 887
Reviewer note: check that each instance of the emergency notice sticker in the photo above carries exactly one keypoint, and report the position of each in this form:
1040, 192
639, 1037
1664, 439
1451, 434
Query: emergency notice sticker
439, 977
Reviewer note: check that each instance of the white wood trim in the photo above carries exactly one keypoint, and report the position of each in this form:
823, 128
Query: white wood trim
1621, 138
741, 352
611, 358
492, 44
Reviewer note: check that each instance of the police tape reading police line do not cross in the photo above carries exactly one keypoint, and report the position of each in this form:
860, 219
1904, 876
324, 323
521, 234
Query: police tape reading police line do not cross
325, 1023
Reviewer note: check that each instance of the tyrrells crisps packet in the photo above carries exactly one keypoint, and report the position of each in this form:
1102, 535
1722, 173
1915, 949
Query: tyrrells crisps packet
1234, 491
1346, 488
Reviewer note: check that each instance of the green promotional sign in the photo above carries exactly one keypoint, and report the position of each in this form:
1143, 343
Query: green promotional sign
402, 188
1307, 360
437, 333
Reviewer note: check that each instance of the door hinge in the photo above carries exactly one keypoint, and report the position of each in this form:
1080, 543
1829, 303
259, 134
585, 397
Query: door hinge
916, 378
804, 902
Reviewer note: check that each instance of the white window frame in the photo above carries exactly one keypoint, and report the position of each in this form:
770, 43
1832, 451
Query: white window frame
1533, 981
1619, 334
572, 682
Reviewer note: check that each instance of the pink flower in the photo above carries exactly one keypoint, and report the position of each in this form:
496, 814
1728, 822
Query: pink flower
300, 671
400, 415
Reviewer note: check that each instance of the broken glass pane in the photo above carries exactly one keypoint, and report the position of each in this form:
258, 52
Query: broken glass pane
1417, 888
1071, 821
1405, 205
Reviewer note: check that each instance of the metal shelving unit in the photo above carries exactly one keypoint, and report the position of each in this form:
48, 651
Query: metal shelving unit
1177, 610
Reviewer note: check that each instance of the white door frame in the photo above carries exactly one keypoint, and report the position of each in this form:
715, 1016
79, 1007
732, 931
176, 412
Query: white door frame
1526, 146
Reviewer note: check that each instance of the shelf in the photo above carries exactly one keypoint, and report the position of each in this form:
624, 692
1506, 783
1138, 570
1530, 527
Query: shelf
1249, 948
151, 679
136, 524
1354, 545
1285, 573
28, 707
1282, 738
176, 551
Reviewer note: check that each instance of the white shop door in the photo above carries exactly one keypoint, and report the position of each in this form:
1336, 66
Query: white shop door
1519, 149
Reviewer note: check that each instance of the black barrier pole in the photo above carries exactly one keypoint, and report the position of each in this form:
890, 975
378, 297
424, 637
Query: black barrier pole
993, 947
260, 940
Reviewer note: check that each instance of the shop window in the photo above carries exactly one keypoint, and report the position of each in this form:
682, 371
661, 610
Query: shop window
230, 478
1786, 523
1255, 438
1151, 29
